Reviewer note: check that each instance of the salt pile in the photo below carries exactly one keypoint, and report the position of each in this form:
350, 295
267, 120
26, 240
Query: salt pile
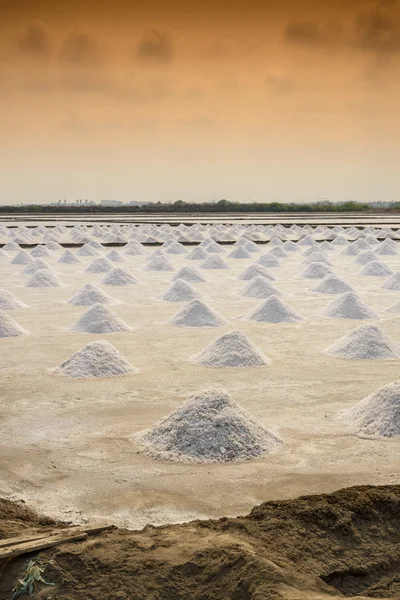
233, 350
365, 257
239, 253
8, 327
36, 265
91, 294
332, 285
115, 256
395, 308
40, 251
316, 271
99, 319
377, 415
367, 342
214, 262
209, 428
119, 277
69, 258
44, 278
22, 258
159, 263
190, 274
100, 265
268, 260
87, 250
255, 271
11, 247
10, 302
393, 283
197, 314
375, 269
180, 291
316, 257
197, 254
260, 287
349, 306
274, 310
97, 359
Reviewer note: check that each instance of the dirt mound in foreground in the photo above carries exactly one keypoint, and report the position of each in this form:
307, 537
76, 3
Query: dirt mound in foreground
314, 547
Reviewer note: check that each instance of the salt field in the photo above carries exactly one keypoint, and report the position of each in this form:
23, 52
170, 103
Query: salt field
157, 373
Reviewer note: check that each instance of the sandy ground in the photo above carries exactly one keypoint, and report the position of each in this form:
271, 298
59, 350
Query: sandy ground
66, 445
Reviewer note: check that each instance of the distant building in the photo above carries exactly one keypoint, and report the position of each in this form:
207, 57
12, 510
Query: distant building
111, 203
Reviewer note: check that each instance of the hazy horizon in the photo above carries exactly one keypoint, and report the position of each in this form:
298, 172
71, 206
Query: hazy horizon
159, 101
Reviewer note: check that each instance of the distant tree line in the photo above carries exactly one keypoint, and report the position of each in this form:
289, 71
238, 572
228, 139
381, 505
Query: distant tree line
223, 206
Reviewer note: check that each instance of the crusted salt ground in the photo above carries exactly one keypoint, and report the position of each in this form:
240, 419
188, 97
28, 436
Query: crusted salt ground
240, 252
375, 269
197, 314
22, 258
268, 260
91, 294
119, 277
233, 350
159, 263
214, 262
96, 359
69, 258
331, 284
316, 271
197, 253
191, 274
99, 319
40, 252
115, 257
99, 265
377, 415
367, 342
365, 257
10, 302
349, 306
36, 264
44, 278
273, 310
393, 283
259, 287
180, 291
255, 271
8, 327
209, 428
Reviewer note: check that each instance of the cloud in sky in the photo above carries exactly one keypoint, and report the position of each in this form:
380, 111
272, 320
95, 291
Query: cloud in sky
155, 46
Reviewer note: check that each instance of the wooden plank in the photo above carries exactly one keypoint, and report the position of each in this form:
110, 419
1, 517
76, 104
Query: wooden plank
41, 544
89, 528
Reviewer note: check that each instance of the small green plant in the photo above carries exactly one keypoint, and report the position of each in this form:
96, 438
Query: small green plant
33, 574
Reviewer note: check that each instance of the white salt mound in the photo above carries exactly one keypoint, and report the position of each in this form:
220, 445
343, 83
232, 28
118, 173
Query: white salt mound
259, 287
377, 415
273, 310
233, 350
99, 265
22, 258
255, 271
268, 260
180, 291
8, 327
97, 359
332, 285
10, 302
197, 314
190, 274
349, 306
40, 251
91, 294
316, 271
365, 257
395, 308
209, 428
36, 265
393, 283
375, 269
159, 263
69, 258
367, 342
214, 262
239, 252
44, 278
115, 256
119, 277
99, 319
197, 254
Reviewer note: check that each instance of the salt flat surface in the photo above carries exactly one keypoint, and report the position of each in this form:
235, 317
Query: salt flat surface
67, 445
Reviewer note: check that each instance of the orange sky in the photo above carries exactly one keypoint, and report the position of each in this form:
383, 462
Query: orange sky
158, 100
